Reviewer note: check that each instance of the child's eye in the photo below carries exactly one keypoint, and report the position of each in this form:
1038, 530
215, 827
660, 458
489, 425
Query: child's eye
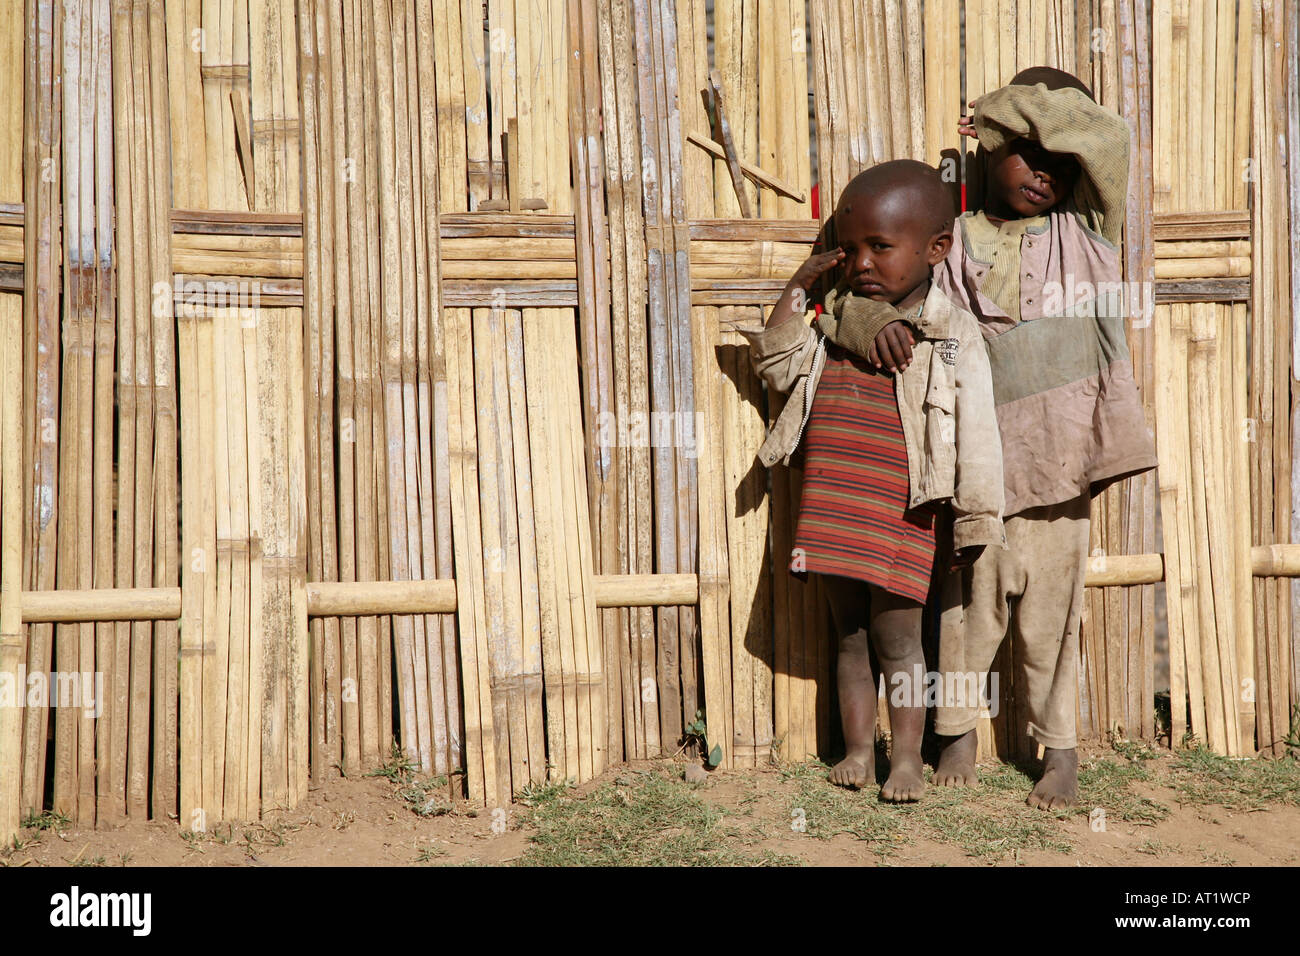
880, 246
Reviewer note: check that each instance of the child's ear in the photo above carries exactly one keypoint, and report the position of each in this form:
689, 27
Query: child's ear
940, 243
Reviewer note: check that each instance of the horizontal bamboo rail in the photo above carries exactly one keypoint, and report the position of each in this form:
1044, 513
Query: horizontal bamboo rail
438, 596
339, 598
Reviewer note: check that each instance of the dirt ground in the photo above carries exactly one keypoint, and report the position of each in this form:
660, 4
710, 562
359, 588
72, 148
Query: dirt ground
1139, 807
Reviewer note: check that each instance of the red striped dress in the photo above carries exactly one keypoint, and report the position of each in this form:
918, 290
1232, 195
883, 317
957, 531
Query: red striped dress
853, 516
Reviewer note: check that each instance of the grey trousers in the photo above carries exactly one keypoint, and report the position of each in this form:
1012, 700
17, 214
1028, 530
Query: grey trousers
1034, 589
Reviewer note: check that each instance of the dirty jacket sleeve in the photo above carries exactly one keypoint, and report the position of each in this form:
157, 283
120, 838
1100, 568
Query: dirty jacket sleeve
853, 322
782, 353
978, 495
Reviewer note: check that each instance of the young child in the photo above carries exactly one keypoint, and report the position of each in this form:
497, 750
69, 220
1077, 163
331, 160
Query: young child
1030, 264
882, 445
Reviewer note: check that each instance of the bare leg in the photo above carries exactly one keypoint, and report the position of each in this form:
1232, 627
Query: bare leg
896, 636
857, 685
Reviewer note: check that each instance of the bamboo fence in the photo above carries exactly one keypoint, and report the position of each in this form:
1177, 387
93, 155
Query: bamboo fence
369, 375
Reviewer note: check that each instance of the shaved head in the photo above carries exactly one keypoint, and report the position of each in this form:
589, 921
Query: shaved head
903, 190
893, 223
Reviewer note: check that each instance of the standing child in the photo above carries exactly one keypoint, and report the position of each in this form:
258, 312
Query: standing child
883, 446
1040, 268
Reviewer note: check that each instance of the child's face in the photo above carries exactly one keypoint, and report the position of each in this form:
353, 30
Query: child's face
887, 252
1026, 180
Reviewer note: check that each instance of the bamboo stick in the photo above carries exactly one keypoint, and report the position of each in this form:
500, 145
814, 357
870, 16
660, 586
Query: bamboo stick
1191, 555
592, 673
411, 366
1277, 210
577, 702
316, 284
1261, 359
13, 651
558, 691
525, 573
436, 508
359, 148
480, 752
192, 699
165, 564
502, 613
212, 645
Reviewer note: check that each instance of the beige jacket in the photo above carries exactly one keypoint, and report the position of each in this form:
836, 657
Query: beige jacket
945, 404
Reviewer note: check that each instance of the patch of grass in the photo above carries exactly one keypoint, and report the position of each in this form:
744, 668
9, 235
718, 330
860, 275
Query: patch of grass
986, 822
1007, 778
397, 768
653, 820
1108, 784
16, 844
806, 770
991, 832
46, 820
825, 810
423, 795
1203, 778
268, 835
1134, 750
87, 861
430, 853
1210, 855
426, 796
1153, 848
537, 794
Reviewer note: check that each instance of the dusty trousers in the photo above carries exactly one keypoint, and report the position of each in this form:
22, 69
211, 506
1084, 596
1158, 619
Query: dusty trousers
1032, 589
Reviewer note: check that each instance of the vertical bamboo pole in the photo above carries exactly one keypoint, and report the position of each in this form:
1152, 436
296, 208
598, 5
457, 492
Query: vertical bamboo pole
435, 476
13, 651
1292, 93
483, 780
1190, 555
593, 250
628, 255
12, 657
1273, 162
314, 289
655, 159
502, 620
561, 722
162, 567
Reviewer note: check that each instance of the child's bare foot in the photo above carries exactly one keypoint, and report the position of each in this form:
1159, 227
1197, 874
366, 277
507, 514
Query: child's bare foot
957, 762
857, 769
1059, 785
906, 780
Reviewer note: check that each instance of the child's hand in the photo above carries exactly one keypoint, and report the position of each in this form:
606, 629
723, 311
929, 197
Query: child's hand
806, 276
965, 557
794, 300
966, 125
892, 347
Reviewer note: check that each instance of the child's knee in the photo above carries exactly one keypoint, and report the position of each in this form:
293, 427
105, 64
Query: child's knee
897, 638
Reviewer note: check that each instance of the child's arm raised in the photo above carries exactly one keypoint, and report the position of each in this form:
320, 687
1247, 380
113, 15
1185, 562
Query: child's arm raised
782, 351
1064, 121
794, 300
